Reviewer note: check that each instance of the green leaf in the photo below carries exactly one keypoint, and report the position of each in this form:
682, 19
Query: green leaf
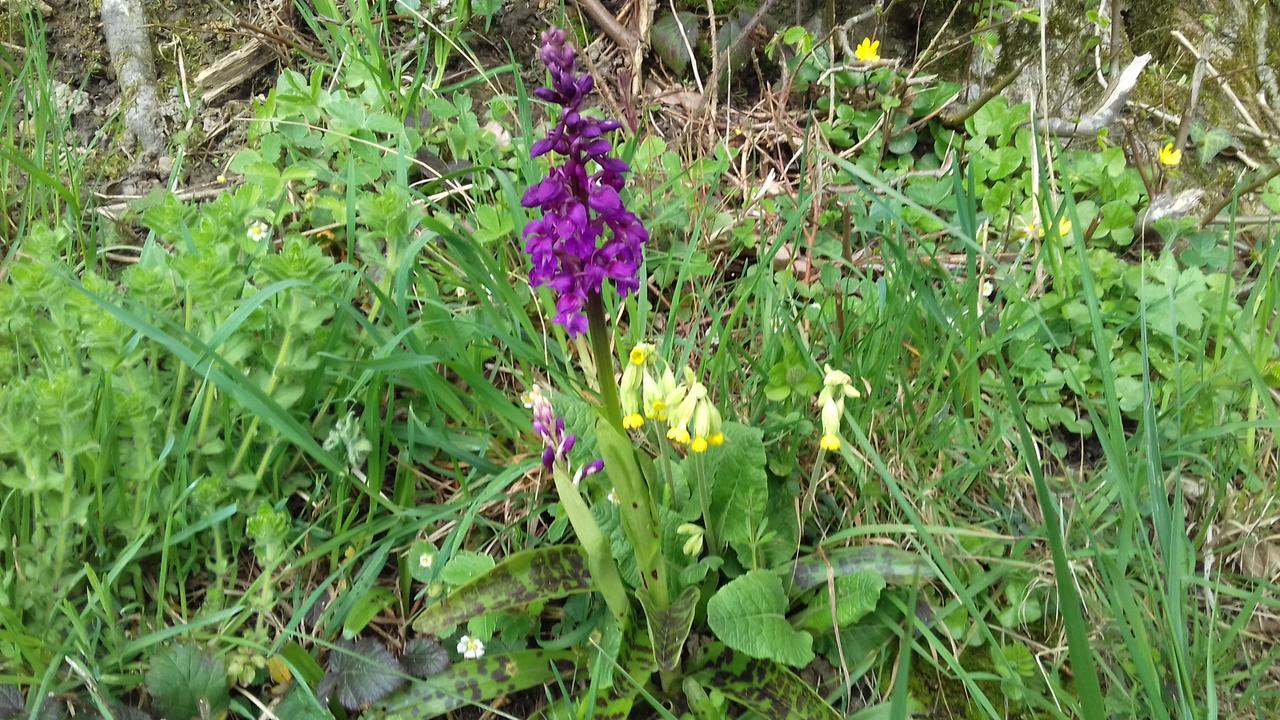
1214, 142
298, 705
424, 657
365, 610
749, 615
182, 678
668, 629
636, 661
421, 560
896, 566
523, 578
476, 681
739, 485
856, 595
465, 566
303, 665
766, 688
671, 43
360, 674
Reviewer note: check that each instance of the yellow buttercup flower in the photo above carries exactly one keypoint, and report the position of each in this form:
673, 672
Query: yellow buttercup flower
1064, 228
1170, 156
867, 51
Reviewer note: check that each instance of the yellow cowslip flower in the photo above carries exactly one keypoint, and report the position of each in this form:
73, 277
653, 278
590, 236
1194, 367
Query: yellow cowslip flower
634, 378
661, 395
867, 51
1170, 156
640, 353
836, 386
695, 421
695, 533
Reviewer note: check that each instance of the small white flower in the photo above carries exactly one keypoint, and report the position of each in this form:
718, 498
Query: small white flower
459, 292
612, 497
258, 231
470, 648
426, 560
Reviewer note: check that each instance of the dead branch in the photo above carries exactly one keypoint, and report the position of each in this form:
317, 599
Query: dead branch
624, 38
124, 24
1108, 111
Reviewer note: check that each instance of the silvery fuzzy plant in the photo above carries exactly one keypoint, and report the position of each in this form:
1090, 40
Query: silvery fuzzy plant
675, 533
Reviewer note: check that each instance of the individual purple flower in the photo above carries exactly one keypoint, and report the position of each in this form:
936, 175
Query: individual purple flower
556, 443
585, 235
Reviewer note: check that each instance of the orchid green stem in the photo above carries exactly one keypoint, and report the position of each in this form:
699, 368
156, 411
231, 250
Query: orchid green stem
603, 353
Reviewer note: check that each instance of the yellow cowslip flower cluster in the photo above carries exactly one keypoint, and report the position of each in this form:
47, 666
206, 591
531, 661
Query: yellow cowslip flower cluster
649, 391
836, 386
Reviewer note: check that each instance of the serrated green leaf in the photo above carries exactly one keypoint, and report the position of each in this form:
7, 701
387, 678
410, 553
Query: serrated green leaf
749, 615
183, 677
896, 566
360, 674
668, 629
739, 485
424, 657
475, 682
766, 688
523, 578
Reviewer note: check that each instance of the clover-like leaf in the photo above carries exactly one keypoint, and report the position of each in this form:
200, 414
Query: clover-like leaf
749, 615
184, 677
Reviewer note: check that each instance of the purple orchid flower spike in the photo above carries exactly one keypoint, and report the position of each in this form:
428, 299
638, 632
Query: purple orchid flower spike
585, 235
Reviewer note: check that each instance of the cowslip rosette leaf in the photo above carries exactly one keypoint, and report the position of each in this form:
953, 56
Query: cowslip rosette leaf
749, 615
523, 578
739, 485
766, 688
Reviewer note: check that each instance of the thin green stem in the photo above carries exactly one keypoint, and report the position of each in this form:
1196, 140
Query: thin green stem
285, 346
600, 348
704, 499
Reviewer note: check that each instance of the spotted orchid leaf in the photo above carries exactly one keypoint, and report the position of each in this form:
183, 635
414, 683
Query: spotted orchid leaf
765, 687
474, 682
521, 579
